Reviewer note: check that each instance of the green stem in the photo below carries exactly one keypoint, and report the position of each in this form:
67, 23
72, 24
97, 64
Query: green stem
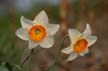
30, 60
52, 67
29, 56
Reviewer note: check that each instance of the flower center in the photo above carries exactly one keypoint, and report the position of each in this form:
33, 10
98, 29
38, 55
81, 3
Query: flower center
80, 45
37, 33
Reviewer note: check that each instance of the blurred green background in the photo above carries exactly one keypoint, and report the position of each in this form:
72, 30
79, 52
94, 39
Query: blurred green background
67, 13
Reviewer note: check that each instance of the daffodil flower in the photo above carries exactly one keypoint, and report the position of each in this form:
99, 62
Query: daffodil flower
38, 31
79, 43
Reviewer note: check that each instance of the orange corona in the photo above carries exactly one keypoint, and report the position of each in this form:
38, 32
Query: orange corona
80, 45
37, 32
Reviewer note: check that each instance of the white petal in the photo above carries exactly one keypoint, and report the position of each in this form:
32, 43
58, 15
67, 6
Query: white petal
91, 40
25, 22
52, 29
87, 31
32, 44
41, 18
73, 34
67, 50
47, 42
22, 33
72, 56
84, 52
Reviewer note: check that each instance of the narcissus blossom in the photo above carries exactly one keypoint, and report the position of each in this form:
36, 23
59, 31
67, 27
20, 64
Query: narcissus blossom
79, 43
38, 31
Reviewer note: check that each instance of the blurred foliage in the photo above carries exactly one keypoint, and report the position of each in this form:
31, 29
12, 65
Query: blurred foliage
92, 4
3, 69
5, 66
8, 50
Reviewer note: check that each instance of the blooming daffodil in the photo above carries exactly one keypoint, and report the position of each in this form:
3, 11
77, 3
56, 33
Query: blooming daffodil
79, 43
38, 31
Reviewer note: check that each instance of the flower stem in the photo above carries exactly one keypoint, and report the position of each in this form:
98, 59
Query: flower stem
29, 57
52, 67
34, 52
30, 60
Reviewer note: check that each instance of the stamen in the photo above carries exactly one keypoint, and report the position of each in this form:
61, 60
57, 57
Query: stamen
37, 31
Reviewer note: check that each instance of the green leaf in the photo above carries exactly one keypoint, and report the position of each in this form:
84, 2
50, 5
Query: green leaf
7, 66
18, 68
3, 69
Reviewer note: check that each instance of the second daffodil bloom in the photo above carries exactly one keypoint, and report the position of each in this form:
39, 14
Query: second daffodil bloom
79, 43
38, 31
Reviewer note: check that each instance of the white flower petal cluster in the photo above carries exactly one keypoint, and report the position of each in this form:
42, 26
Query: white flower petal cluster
79, 43
44, 29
